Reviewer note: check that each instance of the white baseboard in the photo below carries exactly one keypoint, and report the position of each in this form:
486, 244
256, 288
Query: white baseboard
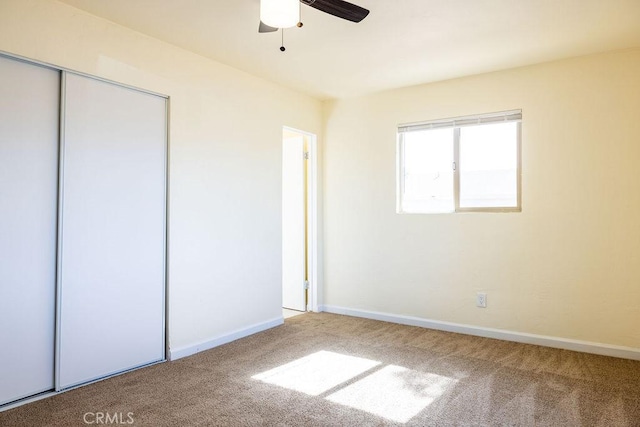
223, 339
521, 337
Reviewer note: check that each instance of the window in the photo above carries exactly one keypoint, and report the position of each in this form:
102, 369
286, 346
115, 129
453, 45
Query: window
466, 164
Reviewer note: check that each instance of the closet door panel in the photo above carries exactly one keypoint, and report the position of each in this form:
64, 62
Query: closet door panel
29, 127
112, 268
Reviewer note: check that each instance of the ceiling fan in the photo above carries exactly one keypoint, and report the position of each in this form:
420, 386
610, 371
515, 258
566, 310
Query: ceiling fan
280, 14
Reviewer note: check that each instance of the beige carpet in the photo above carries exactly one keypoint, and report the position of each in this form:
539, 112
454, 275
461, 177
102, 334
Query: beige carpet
324, 369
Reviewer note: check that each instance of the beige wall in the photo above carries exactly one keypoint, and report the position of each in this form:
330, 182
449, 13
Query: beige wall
568, 266
225, 183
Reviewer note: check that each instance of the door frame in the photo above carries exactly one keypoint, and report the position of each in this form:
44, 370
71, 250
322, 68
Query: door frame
313, 292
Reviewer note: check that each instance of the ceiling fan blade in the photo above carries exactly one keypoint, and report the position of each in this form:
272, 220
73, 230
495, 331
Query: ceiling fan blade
264, 28
339, 8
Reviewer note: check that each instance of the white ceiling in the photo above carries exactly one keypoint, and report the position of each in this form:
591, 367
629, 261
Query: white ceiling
400, 43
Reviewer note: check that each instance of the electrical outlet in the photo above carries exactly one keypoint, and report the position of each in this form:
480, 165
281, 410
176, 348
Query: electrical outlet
481, 300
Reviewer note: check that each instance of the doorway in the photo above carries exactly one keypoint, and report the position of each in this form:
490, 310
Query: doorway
299, 228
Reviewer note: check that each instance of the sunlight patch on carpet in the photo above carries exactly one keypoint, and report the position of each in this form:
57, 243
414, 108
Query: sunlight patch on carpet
317, 373
395, 393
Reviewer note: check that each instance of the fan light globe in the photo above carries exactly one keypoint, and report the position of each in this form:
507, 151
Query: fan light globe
280, 13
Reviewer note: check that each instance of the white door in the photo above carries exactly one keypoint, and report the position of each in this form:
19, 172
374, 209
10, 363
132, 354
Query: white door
112, 259
29, 122
293, 224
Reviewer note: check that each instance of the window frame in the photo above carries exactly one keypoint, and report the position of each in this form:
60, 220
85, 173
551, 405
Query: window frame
456, 123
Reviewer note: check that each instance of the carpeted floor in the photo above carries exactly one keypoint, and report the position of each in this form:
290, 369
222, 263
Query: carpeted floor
330, 370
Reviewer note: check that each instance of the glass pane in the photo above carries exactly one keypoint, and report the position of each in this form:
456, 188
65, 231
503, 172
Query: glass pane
428, 172
489, 165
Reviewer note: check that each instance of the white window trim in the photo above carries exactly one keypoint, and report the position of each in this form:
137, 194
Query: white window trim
456, 123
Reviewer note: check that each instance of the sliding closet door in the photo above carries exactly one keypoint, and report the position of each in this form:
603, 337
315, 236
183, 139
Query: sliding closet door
112, 230
29, 122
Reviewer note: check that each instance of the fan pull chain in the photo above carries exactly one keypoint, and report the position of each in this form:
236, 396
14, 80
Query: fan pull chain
282, 48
